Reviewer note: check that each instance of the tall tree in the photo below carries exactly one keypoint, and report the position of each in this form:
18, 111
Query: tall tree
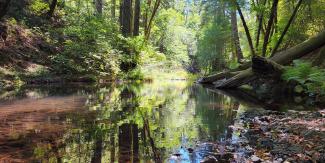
113, 8
146, 15
4, 5
153, 14
99, 6
260, 24
136, 18
269, 26
286, 27
53, 5
248, 35
126, 17
235, 36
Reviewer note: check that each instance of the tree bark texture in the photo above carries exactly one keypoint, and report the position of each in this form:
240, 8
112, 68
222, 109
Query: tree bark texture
137, 11
235, 36
126, 18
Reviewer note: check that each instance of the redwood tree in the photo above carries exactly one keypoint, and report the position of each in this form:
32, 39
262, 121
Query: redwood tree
136, 18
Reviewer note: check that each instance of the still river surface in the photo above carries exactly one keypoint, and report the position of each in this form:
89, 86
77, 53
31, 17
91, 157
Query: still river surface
162, 121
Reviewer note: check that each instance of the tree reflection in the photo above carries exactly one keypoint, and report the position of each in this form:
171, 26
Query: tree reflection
143, 122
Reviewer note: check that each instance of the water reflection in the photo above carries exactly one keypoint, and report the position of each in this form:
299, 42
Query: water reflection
153, 122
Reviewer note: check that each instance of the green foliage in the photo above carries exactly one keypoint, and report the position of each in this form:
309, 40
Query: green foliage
38, 7
311, 77
135, 74
172, 36
89, 47
211, 44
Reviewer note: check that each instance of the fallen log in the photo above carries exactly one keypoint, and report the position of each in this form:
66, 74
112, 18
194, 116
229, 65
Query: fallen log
266, 67
224, 75
241, 78
216, 77
281, 58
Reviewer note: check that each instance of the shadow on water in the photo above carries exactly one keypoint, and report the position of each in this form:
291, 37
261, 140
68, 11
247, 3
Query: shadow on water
153, 122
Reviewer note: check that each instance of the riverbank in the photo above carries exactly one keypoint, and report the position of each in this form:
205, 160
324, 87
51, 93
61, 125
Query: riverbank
271, 136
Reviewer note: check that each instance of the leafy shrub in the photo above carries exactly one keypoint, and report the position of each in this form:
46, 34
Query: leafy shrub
311, 77
88, 47
39, 7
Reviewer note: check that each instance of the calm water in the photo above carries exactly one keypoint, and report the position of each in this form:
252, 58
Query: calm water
152, 122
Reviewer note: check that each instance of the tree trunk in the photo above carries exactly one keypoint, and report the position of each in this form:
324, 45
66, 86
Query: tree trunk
113, 8
126, 18
121, 13
235, 35
249, 38
222, 75
146, 16
52, 8
153, 14
4, 5
266, 67
136, 18
286, 28
259, 28
99, 6
97, 157
269, 26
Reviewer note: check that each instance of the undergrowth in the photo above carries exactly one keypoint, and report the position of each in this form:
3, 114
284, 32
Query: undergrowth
310, 77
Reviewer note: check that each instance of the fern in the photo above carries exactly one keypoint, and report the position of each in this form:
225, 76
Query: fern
304, 73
